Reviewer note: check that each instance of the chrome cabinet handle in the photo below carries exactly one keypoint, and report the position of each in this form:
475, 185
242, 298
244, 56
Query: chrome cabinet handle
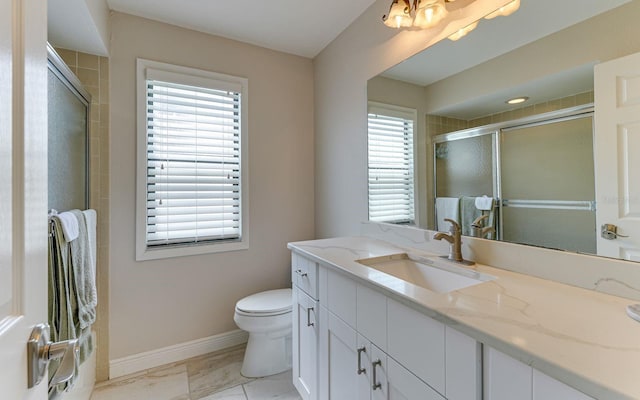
309, 323
40, 350
375, 378
360, 369
302, 274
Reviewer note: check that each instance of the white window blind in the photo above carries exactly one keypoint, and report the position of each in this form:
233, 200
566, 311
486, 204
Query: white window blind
193, 163
391, 183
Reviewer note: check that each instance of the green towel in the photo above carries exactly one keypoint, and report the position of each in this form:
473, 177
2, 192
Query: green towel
63, 301
468, 213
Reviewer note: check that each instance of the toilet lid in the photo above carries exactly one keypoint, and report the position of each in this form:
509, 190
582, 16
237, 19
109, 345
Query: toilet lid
270, 301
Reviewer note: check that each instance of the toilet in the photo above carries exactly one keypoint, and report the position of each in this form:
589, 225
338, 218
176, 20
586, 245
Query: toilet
268, 319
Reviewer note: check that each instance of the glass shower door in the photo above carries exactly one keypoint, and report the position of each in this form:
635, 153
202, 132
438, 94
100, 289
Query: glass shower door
547, 184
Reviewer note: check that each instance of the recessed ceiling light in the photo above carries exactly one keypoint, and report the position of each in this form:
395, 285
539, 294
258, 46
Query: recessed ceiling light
517, 100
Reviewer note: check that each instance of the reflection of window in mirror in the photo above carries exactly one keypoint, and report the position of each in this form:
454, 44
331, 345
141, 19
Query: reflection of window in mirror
390, 163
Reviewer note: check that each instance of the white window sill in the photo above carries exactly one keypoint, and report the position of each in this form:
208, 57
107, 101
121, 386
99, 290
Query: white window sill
146, 254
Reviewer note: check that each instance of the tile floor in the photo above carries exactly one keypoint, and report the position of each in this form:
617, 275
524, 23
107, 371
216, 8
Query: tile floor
214, 376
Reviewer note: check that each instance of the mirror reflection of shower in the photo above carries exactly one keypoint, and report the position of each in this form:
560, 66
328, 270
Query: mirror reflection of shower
539, 174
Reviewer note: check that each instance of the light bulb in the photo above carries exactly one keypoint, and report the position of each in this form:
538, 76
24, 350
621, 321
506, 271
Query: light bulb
429, 13
398, 16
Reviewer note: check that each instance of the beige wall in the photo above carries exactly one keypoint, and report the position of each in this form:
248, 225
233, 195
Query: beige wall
93, 73
159, 303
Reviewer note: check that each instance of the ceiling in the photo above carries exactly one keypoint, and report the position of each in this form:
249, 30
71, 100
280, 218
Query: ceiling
496, 37
292, 26
296, 27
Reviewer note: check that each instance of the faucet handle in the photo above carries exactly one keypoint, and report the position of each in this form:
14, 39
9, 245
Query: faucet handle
478, 221
455, 227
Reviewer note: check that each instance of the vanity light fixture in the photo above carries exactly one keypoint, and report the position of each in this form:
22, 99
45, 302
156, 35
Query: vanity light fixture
421, 14
517, 100
425, 14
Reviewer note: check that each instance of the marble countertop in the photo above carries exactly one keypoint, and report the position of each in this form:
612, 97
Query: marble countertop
580, 337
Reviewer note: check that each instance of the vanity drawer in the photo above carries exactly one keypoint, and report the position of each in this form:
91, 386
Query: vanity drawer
417, 342
304, 274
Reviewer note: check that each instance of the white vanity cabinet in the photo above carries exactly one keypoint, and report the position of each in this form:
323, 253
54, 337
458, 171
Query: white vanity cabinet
306, 327
363, 331
348, 361
506, 378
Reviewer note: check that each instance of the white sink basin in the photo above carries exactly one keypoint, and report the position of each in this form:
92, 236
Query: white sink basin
432, 274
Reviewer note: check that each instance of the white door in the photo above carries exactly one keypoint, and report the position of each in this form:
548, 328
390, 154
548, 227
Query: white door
617, 155
23, 189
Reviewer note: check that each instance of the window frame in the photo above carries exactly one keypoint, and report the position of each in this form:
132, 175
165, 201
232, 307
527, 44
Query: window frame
194, 77
391, 110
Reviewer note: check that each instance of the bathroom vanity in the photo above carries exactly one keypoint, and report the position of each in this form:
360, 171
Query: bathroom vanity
368, 325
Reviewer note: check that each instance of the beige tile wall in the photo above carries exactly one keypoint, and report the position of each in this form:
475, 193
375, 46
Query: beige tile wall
437, 125
526, 111
93, 72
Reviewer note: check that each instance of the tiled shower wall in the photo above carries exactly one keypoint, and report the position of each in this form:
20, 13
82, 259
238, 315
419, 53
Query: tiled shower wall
93, 72
437, 125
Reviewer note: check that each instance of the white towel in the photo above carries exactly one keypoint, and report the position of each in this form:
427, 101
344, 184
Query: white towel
69, 224
91, 218
484, 203
447, 207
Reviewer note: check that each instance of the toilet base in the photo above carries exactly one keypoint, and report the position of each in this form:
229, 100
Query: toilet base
266, 355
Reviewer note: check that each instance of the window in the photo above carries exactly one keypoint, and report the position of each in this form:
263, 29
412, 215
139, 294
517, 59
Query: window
191, 161
390, 144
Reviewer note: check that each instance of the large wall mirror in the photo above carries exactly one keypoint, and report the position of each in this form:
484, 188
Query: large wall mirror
526, 173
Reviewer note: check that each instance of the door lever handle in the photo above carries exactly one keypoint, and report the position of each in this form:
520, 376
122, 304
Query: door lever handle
68, 350
40, 350
610, 232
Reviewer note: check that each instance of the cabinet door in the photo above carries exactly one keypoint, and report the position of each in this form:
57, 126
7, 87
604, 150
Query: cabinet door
305, 344
463, 372
403, 385
547, 388
338, 359
505, 378
370, 359
379, 381
417, 342
371, 315
341, 297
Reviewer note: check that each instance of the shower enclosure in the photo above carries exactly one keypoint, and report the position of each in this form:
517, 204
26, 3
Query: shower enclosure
540, 170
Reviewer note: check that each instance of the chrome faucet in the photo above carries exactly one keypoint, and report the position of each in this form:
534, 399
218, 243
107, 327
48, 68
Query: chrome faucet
455, 240
477, 230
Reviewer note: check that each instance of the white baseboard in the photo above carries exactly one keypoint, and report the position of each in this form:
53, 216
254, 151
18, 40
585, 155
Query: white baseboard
178, 352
